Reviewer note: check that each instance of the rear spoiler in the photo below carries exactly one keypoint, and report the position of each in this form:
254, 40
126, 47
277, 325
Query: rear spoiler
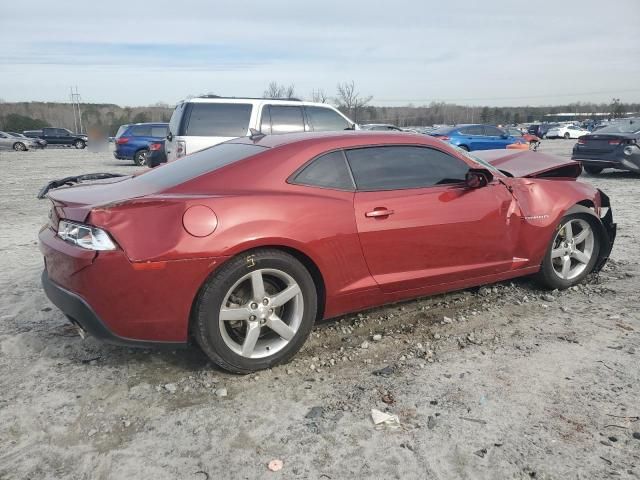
69, 181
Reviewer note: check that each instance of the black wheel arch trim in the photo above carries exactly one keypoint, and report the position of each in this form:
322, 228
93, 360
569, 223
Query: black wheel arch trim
607, 228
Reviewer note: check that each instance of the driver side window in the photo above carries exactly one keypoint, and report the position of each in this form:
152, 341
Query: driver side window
403, 167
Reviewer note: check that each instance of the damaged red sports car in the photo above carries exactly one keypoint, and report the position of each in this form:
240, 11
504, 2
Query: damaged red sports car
243, 246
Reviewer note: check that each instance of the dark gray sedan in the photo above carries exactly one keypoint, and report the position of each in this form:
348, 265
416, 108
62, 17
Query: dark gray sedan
614, 146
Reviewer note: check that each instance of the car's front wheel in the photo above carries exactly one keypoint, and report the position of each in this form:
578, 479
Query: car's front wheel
573, 252
79, 144
256, 311
567, 136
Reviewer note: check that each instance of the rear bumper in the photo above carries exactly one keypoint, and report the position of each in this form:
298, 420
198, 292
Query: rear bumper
156, 158
123, 302
627, 158
82, 315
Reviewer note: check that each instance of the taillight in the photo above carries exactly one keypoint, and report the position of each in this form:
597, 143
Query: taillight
155, 147
181, 148
122, 140
582, 141
615, 142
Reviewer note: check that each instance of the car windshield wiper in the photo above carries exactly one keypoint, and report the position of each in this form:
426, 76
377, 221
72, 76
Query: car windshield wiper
68, 181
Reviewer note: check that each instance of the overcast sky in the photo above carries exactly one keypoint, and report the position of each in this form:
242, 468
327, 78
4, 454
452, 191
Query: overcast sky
401, 51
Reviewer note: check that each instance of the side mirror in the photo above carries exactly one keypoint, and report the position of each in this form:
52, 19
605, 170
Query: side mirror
504, 135
477, 178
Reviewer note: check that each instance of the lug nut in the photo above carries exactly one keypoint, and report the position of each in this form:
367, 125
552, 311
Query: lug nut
265, 301
252, 318
254, 306
271, 310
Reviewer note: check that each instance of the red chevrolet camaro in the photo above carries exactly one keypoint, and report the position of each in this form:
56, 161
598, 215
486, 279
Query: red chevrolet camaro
244, 245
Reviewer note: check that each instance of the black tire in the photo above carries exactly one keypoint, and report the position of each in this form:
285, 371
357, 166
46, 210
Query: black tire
140, 157
592, 170
567, 136
19, 147
463, 147
547, 276
206, 312
79, 144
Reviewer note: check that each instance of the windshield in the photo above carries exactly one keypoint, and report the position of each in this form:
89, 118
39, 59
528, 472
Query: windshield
621, 127
475, 159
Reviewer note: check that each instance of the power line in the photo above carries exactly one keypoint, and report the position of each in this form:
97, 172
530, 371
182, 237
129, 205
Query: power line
75, 105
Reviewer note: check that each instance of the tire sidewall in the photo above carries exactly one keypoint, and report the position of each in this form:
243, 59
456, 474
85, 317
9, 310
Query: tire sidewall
547, 273
214, 292
138, 157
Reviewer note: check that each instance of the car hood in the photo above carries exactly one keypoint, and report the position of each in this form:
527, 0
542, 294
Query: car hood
530, 164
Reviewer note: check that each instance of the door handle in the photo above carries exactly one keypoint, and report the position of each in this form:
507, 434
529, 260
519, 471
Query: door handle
379, 212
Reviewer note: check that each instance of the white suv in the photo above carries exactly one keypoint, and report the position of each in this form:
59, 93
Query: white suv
201, 122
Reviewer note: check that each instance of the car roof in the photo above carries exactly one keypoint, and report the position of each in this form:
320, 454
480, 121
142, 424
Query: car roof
364, 137
255, 101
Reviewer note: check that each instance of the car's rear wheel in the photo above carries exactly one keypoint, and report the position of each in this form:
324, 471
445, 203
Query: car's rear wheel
19, 147
567, 136
256, 311
573, 252
592, 170
79, 144
140, 158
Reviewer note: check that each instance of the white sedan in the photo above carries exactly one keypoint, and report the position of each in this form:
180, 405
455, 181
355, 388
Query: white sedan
567, 131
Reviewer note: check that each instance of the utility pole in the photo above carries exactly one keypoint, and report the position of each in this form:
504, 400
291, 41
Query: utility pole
75, 105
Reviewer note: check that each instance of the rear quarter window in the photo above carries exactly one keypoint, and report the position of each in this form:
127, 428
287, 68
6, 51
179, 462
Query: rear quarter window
327, 171
218, 120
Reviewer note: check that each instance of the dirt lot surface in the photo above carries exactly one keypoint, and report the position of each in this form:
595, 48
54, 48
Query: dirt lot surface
507, 381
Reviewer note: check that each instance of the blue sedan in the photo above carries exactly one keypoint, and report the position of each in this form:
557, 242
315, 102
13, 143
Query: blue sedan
475, 137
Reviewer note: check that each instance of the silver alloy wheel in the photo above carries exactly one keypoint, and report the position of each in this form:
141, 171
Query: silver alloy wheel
143, 158
572, 248
19, 147
261, 313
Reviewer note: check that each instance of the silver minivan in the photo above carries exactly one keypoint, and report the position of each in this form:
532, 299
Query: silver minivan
202, 122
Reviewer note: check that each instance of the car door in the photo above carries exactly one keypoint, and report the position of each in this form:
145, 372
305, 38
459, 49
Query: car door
5, 140
324, 119
473, 137
419, 225
51, 136
284, 119
495, 138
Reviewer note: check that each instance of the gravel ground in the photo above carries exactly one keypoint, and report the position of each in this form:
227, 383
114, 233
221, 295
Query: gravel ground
505, 381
